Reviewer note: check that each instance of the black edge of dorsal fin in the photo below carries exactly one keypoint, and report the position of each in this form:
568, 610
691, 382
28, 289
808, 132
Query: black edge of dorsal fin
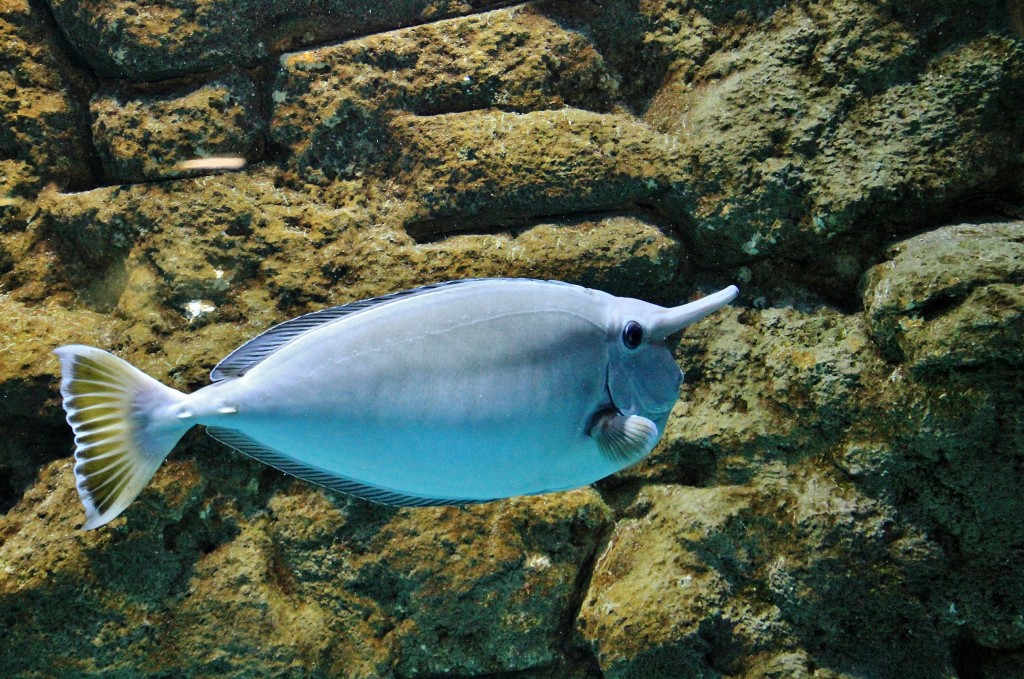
278, 460
242, 359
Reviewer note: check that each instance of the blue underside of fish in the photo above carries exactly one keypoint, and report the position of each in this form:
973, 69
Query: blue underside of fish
288, 465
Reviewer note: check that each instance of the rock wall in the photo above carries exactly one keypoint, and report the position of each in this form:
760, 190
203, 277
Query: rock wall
838, 491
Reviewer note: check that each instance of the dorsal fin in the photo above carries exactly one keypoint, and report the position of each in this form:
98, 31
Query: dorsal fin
242, 359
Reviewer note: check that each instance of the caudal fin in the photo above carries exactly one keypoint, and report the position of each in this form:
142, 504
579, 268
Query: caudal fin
123, 428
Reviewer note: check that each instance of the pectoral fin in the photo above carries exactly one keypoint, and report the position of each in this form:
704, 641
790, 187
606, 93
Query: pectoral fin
623, 438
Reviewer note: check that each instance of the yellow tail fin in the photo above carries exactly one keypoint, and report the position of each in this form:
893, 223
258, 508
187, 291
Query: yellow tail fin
124, 428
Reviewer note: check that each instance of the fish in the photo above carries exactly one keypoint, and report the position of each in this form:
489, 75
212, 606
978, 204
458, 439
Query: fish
454, 393
212, 163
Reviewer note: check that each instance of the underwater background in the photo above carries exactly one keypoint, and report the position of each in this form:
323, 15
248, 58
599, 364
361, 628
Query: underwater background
838, 492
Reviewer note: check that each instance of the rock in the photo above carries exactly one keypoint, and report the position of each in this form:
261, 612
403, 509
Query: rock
288, 604
28, 388
651, 601
528, 551
951, 298
959, 143
91, 233
731, 580
315, 582
813, 135
332, 105
949, 459
142, 138
136, 41
485, 168
623, 254
15, 177
43, 124
945, 448
117, 585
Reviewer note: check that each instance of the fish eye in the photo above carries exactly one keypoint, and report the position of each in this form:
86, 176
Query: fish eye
632, 335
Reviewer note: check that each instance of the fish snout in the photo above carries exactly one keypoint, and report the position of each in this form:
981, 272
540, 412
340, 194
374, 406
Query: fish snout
670, 321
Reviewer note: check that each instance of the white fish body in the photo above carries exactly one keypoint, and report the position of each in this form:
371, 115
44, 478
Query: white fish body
449, 394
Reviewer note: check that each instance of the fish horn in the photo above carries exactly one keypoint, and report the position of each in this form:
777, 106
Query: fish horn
675, 319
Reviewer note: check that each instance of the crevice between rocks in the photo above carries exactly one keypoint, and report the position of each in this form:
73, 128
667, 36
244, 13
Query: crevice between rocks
974, 661
83, 71
281, 46
427, 231
573, 648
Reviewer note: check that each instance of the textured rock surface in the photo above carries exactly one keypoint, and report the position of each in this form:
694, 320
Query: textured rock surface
139, 41
27, 335
834, 123
488, 168
141, 139
333, 104
951, 298
42, 117
736, 580
837, 494
281, 578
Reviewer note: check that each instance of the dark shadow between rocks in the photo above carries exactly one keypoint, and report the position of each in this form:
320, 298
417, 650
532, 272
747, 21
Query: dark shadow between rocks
507, 222
26, 450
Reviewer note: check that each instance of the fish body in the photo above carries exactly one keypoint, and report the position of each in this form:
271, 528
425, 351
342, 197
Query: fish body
449, 394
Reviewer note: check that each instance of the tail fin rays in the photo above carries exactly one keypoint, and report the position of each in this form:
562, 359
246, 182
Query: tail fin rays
122, 430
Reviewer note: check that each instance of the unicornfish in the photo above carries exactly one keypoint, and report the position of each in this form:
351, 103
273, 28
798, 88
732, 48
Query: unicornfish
448, 394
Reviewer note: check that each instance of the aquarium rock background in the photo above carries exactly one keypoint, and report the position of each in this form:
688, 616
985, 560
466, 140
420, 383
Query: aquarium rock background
838, 493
